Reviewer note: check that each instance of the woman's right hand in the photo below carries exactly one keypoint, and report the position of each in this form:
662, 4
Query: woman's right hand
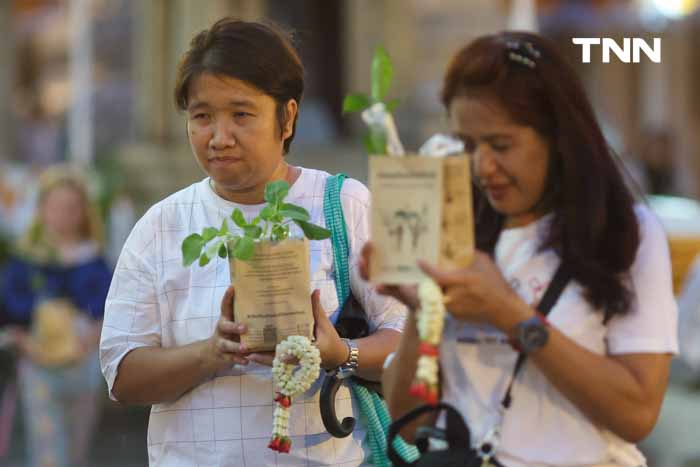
224, 347
406, 294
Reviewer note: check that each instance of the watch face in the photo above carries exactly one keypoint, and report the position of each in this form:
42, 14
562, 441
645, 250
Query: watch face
532, 335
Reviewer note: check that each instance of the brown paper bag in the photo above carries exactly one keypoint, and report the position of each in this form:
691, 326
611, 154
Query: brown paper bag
273, 293
421, 209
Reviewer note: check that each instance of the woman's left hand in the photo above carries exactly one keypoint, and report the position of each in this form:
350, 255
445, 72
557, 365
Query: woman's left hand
334, 352
477, 293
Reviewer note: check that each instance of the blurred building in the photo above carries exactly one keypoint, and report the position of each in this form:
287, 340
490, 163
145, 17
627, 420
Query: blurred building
134, 47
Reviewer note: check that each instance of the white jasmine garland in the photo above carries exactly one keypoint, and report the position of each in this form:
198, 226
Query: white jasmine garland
291, 380
430, 322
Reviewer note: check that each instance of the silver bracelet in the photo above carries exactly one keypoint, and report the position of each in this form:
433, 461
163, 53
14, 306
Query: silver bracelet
349, 368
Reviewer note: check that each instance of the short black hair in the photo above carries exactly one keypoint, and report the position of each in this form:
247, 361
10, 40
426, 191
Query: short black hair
261, 54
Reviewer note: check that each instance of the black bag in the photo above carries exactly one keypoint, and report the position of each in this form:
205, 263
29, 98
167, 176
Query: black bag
459, 451
456, 433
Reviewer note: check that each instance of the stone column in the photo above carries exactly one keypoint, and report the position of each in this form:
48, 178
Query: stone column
151, 106
81, 133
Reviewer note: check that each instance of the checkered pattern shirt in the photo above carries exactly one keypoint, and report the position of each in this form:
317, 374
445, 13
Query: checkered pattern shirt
155, 301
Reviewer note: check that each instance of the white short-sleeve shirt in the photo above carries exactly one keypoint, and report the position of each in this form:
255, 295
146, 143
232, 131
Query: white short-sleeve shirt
155, 301
542, 428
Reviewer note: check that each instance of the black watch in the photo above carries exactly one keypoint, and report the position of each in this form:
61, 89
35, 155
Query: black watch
532, 334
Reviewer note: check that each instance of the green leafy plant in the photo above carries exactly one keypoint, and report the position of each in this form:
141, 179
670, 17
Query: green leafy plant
382, 74
271, 224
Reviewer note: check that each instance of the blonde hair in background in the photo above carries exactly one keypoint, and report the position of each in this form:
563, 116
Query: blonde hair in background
34, 243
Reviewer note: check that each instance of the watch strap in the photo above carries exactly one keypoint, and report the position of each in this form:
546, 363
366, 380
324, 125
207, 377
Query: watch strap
551, 295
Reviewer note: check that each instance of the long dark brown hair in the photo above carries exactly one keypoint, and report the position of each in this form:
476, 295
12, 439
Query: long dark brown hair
594, 228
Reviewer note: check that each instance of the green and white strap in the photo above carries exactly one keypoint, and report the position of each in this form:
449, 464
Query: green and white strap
373, 408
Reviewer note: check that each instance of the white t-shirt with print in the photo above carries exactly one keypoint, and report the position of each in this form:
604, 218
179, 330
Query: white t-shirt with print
542, 428
155, 301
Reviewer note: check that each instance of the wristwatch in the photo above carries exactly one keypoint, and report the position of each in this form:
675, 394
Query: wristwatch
531, 334
349, 368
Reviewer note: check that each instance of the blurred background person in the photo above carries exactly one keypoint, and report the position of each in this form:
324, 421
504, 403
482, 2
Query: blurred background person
689, 321
54, 287
656, 158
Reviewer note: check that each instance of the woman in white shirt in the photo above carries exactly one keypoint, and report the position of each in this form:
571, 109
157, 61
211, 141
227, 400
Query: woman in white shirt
548, 191
169, 339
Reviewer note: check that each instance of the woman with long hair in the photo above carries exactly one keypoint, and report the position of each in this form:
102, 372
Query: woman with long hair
549, 195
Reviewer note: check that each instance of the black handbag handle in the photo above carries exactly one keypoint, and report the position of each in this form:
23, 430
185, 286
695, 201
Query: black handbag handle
456, 433
352, 324
338, 429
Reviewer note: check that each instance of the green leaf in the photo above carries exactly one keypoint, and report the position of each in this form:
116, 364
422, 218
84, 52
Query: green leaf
280, 232
292, 211
231, 245
382, 74
375, 143
213, 249
392, 104
223, 252
244, 249
191, 248
356, 103
267, 213
238, 218
208, 233
313, 231
255, 221
252, 231
224, 228
203, 260
276, 191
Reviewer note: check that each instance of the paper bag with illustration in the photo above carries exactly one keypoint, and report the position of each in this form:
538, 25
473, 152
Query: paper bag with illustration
273, 293
421, 209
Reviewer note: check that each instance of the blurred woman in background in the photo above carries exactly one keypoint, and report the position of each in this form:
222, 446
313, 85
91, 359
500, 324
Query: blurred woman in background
54, 288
